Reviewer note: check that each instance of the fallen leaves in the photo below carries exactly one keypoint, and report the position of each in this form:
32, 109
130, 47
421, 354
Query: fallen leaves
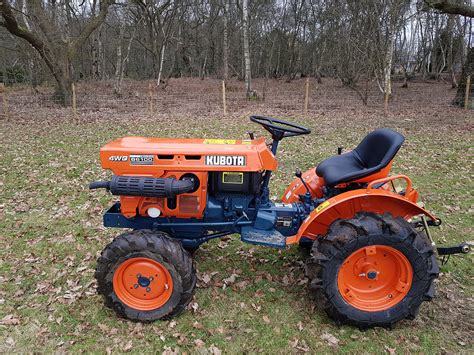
194, 306
197, 325
128, 346
9, 319
231, 279
391, 351
199, 343
330, 339
300, 345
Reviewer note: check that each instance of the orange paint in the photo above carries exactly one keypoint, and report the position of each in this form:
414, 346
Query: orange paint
347, 204
171, 154
175, 157
316, 183
296, 188
383, 173
375, 278
187, 205
410, 193
143, 284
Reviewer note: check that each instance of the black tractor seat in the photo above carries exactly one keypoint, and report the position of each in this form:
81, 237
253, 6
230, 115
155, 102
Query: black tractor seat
373, 154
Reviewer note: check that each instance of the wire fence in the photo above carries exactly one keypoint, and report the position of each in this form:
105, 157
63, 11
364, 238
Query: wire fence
211, 96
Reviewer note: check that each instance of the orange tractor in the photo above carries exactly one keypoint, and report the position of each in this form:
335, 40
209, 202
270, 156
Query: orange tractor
372, 259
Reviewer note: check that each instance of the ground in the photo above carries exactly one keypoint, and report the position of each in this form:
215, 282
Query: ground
249, 299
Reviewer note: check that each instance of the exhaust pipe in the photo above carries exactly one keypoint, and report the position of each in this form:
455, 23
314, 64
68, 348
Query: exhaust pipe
144, 186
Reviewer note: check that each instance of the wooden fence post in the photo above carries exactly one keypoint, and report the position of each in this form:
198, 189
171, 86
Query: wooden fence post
150, 97
74, 108
306, 96
467, 93
224, 103
5, 104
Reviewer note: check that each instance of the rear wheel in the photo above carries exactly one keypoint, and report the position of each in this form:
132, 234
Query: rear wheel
145, 276
372, 270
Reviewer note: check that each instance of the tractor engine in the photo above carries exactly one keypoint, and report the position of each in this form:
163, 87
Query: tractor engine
213, 179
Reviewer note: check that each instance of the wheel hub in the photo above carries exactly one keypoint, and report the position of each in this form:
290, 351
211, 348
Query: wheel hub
372, 275
375, 278
143, 283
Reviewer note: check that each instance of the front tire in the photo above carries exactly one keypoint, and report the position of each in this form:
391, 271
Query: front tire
372, 270
145, 276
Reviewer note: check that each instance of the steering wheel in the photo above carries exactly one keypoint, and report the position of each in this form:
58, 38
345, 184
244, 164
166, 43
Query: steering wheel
280, 129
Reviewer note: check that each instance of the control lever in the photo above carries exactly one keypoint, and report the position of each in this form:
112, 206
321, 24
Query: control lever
251, 135
306, 198
339, 150
299, 175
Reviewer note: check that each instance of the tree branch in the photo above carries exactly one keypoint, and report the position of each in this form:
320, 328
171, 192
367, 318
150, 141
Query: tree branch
14, 28
451, 7
90, 27
36, 42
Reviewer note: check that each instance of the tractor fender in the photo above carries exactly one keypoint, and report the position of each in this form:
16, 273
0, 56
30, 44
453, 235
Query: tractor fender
347, 204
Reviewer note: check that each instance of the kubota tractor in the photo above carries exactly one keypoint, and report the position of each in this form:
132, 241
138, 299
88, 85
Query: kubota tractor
372, 259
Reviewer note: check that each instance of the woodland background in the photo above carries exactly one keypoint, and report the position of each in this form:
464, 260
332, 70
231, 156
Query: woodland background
361, 43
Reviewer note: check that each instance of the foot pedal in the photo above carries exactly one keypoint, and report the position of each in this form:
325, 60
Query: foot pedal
269, 238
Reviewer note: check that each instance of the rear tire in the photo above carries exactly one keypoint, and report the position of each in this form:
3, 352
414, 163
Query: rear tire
372, 270
145, 275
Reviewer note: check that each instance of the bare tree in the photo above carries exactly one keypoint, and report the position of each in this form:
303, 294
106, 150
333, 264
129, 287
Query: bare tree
245, 31
454, 8
393, 15
468, 69
225, 44
122, 59
45, 36
450, 54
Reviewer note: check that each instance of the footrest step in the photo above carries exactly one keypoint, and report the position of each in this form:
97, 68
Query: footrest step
269, 238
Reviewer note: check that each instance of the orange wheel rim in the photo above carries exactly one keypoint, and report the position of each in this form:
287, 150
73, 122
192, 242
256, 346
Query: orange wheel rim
375, 278
143, 284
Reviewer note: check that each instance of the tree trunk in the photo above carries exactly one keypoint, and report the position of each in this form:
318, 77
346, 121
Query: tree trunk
95, 57
100, 55
450, 33
119, 65
162, 59
468, 69
245, 24
225, 48
391, 35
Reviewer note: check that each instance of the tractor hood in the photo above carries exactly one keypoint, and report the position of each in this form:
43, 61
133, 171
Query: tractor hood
153, 156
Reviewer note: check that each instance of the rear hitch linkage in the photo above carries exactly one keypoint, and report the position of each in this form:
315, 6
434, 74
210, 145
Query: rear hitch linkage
461, 248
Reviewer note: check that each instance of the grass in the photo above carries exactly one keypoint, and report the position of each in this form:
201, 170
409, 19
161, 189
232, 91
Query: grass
51, 234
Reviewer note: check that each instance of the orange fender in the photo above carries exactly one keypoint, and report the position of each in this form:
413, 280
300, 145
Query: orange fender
347, 204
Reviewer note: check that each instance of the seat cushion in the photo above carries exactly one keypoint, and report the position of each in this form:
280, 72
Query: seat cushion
342, 168
373, 154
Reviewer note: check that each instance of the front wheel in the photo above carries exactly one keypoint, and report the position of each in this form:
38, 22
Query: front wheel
372, 270
145, 276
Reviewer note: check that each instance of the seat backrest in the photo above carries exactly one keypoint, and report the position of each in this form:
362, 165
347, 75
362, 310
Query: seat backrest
379, 147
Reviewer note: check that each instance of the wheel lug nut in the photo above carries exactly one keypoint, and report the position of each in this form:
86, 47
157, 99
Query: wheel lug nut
139, 275
148, 289
135, 286
151, 278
